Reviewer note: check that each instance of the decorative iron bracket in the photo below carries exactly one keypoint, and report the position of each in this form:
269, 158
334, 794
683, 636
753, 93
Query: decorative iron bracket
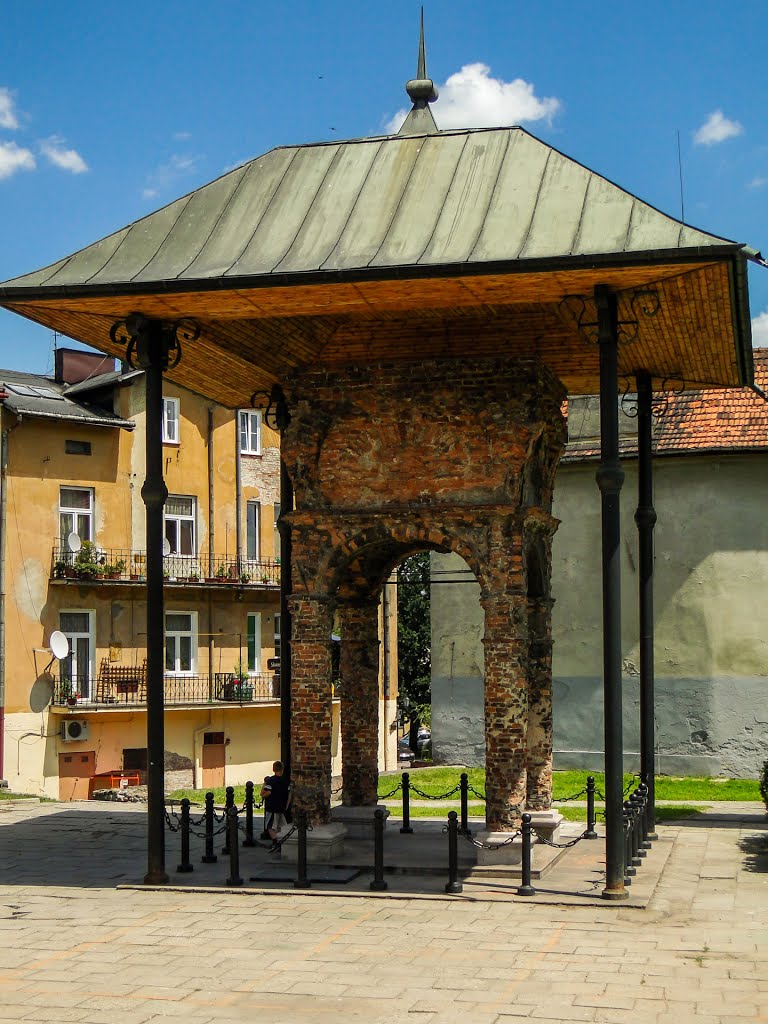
660, 399
273, 407
643, 302
140, 334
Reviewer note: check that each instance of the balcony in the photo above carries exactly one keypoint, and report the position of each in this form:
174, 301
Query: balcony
95, 564
119, 686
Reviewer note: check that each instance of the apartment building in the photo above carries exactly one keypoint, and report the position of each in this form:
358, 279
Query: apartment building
72, 560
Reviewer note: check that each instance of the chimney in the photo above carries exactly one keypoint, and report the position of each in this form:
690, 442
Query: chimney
75, 365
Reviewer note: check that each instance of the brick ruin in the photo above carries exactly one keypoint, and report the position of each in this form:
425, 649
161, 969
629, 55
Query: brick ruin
390, 459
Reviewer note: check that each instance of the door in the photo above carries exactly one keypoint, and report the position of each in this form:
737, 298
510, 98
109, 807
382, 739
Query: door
213, 760
75, 773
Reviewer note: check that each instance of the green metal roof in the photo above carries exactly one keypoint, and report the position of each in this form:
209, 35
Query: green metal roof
469, 197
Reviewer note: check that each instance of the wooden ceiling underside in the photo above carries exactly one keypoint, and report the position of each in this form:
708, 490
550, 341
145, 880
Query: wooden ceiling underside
251, 338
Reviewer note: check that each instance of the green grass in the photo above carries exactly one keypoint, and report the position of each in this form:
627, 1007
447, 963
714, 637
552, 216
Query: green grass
7, 795
436, 781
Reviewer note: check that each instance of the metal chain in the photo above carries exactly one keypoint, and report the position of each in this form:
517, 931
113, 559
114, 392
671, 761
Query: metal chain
427, 796
386, 796
560, 846
488, 846
565, 799
479, 795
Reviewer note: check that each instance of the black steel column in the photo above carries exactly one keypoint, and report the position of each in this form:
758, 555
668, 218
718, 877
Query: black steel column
645, 518
152, 358
610, 478
283, 419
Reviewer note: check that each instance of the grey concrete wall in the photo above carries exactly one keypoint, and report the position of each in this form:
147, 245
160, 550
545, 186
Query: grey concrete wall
711, 622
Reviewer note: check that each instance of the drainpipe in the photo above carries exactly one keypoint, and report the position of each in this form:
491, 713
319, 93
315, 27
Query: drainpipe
387, 668
211, 568
238, 493
3, 502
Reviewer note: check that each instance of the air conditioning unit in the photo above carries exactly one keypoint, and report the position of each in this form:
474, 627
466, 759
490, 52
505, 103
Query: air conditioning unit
74, 729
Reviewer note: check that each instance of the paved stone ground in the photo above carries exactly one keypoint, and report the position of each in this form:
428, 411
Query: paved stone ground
75, 948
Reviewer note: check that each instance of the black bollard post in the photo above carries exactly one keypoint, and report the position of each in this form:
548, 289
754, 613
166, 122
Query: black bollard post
638, 850
302, 881
249, 840
185, 862
378, 884
591, 819
228, 804
464, 781
629, 870
526, 889
406, 826
645, 811
453, 885
234, 847
209, 857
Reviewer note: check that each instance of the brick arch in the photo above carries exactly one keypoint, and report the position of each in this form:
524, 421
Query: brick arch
361, 564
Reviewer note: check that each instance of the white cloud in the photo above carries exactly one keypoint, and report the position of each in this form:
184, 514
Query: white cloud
760, 330
66, 159
471, 98
717, 128
182, 136
757, 182
14, 158
8, 117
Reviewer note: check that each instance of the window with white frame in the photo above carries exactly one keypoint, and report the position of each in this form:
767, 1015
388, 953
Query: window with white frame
254, 643
75, 513
171, 430
277, 636
77, 669
250, 432
277, 532
180, 524
252, 520
181, 643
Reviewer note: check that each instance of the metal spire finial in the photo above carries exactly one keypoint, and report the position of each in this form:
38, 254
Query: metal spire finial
422, 92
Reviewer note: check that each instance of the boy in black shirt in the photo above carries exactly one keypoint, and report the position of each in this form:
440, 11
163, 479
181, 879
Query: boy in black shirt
276, 793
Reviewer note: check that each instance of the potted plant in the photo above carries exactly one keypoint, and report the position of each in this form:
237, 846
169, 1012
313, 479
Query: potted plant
59, 569
265, 578
86, 562
221, 573
67, 694
194, 577
245, 577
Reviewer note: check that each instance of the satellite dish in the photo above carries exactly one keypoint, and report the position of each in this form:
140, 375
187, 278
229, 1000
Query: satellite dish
59, 645
166, 546
73, 542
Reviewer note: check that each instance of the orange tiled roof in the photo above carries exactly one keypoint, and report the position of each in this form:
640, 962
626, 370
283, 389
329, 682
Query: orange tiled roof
729, 419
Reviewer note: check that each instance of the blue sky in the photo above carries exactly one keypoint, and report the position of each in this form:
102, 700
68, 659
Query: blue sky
108, 111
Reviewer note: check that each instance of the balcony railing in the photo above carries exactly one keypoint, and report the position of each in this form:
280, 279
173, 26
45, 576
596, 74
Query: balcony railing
123, 685
93, 563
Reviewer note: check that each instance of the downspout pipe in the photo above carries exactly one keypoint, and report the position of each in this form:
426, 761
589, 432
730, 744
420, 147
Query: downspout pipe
211, 566
3, 506
238, 495
387, 668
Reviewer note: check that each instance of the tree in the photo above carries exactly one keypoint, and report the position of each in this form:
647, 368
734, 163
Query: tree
414, 654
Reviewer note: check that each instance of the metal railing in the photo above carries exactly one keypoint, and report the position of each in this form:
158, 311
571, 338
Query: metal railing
123, 685
93, 563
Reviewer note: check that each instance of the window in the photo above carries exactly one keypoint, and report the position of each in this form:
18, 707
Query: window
75, 513
180, 524
277, 636
250, 432
276, 541
252, 530
254, 643
181, 643
77, 447
76, 670
170, 421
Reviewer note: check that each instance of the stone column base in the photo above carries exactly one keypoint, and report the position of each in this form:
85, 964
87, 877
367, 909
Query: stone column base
358, 820
324, 844
546, 823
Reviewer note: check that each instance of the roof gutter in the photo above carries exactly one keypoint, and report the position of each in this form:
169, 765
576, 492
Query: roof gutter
124, 424
43, 293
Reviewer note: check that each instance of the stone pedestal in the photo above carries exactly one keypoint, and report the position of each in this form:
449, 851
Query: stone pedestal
546, 823
358, 821
324, 844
